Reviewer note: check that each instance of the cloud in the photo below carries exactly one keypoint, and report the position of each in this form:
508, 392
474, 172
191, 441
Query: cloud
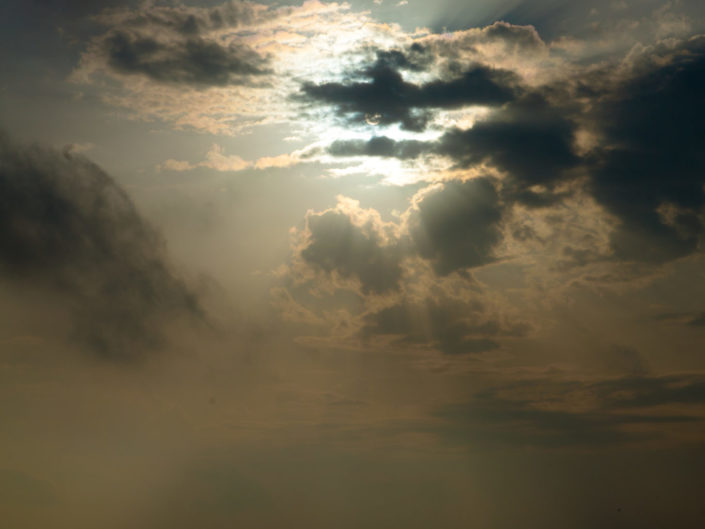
529, 139
549, 412
391, 99
456, 225
650, 172
630, 134
220, 69
217, 160
67, 227
181, 19
192, 61
178, 45
402, 272
512, 47
378, 146
352, 243
452, 325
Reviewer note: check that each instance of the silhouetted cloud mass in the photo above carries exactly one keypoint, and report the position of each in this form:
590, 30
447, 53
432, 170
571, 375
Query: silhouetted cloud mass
67, 226
529, 140
457, 225
650, 175
379, 146
391, 99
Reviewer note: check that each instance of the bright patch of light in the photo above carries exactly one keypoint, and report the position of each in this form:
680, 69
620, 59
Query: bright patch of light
463, 118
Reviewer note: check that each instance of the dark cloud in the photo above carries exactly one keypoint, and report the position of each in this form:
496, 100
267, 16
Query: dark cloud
651, 173
66, 226
192, 60
338, 245
648, 169
379, 146
640, 392
453, 326
542, 412
391, 99
457, 225
454, 226
530, 140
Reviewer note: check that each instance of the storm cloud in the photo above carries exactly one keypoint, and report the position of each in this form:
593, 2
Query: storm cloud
65, 225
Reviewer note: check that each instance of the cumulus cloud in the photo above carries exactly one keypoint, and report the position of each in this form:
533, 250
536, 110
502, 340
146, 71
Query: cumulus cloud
456, 225
67, 227
351, 243
403, 270
593, 178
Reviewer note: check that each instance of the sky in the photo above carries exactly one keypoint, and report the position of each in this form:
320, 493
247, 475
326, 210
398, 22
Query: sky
367, 264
